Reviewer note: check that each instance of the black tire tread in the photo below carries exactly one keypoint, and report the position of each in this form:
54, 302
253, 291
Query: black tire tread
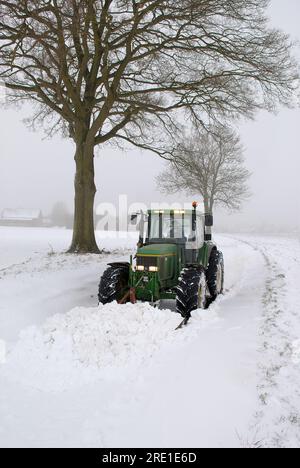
216, 258
187, 291
112, 283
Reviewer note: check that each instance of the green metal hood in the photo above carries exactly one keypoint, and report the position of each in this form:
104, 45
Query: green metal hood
157, 250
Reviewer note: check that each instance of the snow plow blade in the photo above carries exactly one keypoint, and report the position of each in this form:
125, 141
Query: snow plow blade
183, 323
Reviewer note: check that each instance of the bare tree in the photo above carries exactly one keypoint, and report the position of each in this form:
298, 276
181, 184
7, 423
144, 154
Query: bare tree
60, 215
212, 165
124, 71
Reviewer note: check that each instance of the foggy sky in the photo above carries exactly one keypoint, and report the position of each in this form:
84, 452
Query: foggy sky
36, 173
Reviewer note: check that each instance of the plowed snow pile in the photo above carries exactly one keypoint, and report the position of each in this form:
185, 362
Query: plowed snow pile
81, 346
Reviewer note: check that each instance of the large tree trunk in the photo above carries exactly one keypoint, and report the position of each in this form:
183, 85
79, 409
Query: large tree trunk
84, 240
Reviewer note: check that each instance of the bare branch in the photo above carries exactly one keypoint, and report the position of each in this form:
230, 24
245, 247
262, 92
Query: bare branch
97, 62
212, 165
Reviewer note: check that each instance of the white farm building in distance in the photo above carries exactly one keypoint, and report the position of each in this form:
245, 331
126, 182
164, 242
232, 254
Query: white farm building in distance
21, 217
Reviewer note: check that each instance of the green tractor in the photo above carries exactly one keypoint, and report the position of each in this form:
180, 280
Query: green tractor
175, 259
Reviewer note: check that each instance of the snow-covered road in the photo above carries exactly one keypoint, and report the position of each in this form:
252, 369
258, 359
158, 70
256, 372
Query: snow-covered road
122, 377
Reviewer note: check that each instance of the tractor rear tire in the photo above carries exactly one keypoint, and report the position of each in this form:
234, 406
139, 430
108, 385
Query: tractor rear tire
191, 291
215, 274
114, 284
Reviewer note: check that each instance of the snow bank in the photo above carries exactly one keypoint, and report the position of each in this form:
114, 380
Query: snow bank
83, 345
88, 344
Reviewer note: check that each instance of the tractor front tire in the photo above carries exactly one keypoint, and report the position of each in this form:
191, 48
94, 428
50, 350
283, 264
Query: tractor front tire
114, 284
191, 291
215, 274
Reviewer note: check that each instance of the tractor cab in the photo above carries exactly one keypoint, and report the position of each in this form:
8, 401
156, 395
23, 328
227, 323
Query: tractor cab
175, 227
185, 229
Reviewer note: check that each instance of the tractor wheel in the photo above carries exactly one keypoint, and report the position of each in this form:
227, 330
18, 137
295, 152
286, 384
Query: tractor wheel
191, 291
215, 274
114, 284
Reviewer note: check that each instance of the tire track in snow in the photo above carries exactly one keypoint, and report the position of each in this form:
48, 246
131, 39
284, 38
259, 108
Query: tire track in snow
277, 421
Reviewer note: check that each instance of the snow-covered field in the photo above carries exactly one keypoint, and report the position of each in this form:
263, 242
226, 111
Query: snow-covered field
76, 375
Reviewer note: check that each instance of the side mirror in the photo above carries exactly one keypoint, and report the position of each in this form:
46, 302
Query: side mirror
133, 217
209, 220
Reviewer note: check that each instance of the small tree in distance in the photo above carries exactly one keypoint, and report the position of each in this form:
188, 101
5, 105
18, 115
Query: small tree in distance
209, 164
60, 215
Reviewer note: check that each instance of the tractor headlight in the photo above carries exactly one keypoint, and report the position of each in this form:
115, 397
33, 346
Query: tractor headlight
140, 268
153, 269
